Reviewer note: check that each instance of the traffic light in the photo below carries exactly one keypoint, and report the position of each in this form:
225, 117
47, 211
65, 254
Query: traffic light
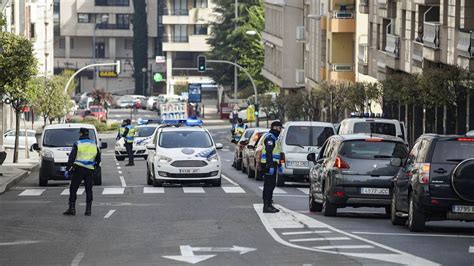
202, 63
256, 110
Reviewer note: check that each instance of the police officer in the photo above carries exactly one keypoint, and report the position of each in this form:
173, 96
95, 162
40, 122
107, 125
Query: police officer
127, 132
270, 160
239, 130
83, 159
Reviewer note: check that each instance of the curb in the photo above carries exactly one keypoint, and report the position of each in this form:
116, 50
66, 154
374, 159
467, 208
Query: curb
12, 181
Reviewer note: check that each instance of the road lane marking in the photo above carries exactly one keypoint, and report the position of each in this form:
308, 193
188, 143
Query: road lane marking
120, 172
304, 190
113, 191
21, 242
233, 190
345, 247
80, 191
122, 181
412, 234
77, 259
118, 167
107, 216
471, 249
153, 190
319, 239
276, 191
117, 163
305, 232
32, 192
193, 190
230, 180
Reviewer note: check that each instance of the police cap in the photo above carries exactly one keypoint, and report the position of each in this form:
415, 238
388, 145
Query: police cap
84, 131
276, 124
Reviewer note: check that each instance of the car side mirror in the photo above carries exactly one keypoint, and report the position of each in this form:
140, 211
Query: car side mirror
311, 157
320, 161
245, 142
397, 162
250, 146
35, 147
150, 147
219, 146
103, 145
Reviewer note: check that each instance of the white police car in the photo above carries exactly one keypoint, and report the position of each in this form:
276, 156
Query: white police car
182, 151
143, 137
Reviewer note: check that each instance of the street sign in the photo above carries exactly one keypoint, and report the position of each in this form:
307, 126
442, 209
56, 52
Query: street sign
157, 77
160, 59
187, 253
108, 74
251, 113
194, 93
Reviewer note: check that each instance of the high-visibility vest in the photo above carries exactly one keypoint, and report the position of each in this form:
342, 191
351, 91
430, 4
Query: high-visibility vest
239, 131
86, 153
276, 150
131, 133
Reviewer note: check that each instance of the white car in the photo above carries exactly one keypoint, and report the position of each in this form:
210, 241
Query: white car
180, 154
151, 102
144, 135
9, 139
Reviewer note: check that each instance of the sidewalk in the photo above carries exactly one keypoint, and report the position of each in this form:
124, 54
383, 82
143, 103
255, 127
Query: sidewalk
12, 173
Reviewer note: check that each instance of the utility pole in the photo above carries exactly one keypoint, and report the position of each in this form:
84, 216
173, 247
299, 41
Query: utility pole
236, 73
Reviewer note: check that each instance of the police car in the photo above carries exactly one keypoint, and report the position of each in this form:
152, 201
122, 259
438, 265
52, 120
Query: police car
182, 151
143, 136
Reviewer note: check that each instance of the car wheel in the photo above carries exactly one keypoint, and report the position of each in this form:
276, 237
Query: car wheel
145, 157
216, 183
119, 158
157, 183
328, 209
238, 164
280, 180
43, 182
250, 172
244, 168
416, 217
149, 181
313, 205
396, 220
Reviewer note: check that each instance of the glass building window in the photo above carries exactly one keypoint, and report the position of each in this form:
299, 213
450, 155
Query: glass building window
84, 18
200, 29
200, 3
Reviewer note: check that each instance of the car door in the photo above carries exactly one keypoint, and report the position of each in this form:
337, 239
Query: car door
315, 173
325, 168
152, 154
402, 180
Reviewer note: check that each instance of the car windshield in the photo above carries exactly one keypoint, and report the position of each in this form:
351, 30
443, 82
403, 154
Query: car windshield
63, 137
96, 110
247, 134
185, 139
308, 135
453, 151
145, 131
361, 149
375, 128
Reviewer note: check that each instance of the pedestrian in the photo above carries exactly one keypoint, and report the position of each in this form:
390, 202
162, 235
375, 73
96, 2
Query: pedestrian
83, 160
127, 132
270, 160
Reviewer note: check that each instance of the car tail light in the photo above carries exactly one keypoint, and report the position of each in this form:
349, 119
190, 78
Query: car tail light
340, 163
374, 140
282, 158
424, 176
466, 139
339, 194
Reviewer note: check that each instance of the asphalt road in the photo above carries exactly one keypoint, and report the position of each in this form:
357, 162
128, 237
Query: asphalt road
136, 224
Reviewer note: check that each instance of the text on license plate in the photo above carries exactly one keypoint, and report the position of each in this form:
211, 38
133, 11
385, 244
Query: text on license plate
297, 163
62, 168
463, 209
188, 171
374, 191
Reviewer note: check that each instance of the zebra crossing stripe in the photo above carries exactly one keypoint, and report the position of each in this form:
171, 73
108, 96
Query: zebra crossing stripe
232, 190
153, 190
113, 191
276, 191
65, 192
32, 192
193, 190
304, 190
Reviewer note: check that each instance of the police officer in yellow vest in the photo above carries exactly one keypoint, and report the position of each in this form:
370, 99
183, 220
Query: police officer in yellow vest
83, 159
127, 132
270, 160
239, 131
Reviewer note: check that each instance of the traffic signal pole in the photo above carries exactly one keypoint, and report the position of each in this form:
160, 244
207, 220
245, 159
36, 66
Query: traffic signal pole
117, 65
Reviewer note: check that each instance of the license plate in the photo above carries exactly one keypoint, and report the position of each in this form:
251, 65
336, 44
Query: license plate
374, 191
62, 168
297, 163
463, 209
188, 171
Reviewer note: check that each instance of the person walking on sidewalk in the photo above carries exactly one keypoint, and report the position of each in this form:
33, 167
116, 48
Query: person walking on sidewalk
270, 160
83, 160
127, 132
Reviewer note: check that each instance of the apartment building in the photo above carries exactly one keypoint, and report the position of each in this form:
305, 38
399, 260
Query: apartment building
409, 36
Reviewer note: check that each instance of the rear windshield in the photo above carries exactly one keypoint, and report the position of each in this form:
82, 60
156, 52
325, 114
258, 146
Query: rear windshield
375, 128
308, 135
361, 149
63, 137
453, 151
145, 131
247, 134
96, 110
185, 139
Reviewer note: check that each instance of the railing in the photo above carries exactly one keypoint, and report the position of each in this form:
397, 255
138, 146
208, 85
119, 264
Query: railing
176, 12
344, 14
175, 38
393, 45
465, 44
108, 26
417, 51
431, 34
364, 54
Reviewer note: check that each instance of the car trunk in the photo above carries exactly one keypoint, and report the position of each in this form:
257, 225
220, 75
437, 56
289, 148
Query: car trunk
296, 157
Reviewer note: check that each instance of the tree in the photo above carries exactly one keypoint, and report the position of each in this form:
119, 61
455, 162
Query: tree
140, 45
18, 66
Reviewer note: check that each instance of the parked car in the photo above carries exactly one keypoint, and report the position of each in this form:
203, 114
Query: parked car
125, 101
248, 153
354, 170
151, 102
375, 125
143, 102
435, 183
77, 116
255, 168
239, 147
99, 112
9, 138
296, 141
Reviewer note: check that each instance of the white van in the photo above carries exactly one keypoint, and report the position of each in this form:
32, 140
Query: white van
54, 147
382, 126
297, 140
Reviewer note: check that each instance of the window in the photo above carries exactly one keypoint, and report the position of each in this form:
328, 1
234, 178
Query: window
180, 33
63, 137
308, 135
84, 18
123, 19
32, 31
128, 44
185, 139
453, 151
145, 131
200, 3
112, 2
71, 43
200, 29
360, 149
376, 128
62, 43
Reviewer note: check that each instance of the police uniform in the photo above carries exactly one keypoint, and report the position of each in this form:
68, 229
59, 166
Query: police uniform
239, 131
128, 133
270, 160
83, 160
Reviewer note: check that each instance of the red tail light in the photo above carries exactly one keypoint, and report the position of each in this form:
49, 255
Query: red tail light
374, 140
339, 194
341, 164
424, 176
282, 158
466, 139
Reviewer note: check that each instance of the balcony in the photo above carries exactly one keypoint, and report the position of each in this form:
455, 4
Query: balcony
392, 51
342, 22
387, 8
417, 54
176, 12
191, 43
363, 62
339, 72
113, 26
427, 2
465, 49
431, 41
364, 7
187, 16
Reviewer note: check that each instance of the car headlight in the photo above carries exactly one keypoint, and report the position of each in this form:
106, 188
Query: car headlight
47, 154
164, 159
214, 158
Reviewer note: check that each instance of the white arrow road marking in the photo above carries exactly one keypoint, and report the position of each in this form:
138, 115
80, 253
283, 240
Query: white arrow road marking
287, 219
32, 192
187, 255
21, 242
80, 191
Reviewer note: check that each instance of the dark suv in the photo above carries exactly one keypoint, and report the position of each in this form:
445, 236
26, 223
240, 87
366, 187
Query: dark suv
239, 147
436, 182
354, 170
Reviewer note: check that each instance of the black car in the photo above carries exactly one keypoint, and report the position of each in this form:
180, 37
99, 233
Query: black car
354, 170
239, 147
436, 182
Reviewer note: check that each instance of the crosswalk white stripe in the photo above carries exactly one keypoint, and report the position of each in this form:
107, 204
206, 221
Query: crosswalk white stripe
304, 190
345, 247
113, 191
107, 216
233, 190
32, 192
80, 191
319, 239
305, 232
276, 191
471, 249
193, 190
153, 190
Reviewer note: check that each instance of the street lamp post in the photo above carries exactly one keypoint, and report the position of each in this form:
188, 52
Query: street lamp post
104, 19
144, 70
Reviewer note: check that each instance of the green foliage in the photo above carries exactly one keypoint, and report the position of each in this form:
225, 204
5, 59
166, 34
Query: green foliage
100, 126
114, 126
140, 44
90, 119
178, 89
